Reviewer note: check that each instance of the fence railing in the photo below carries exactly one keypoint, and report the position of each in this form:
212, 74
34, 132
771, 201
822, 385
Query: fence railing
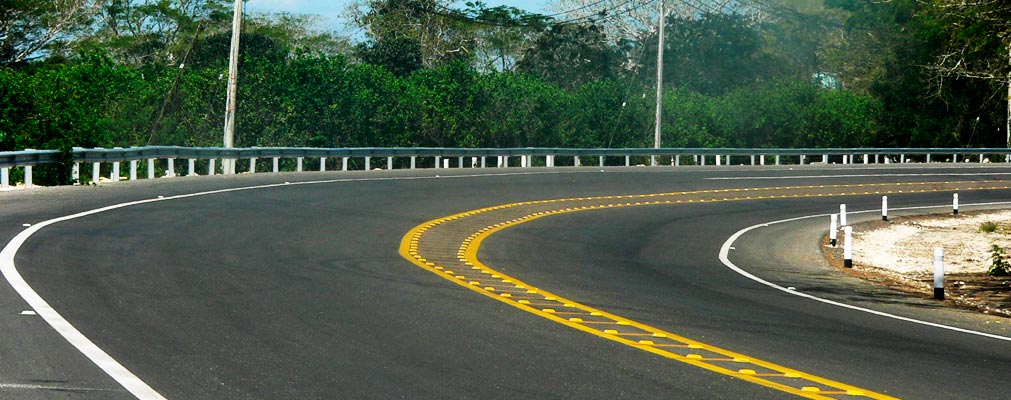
161, 160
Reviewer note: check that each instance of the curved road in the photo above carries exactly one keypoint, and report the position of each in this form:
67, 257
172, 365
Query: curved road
309, 290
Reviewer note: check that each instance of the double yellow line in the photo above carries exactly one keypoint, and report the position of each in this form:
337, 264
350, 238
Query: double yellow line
449, 247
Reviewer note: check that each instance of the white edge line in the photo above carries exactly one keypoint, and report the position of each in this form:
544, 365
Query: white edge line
725, 252
99, 357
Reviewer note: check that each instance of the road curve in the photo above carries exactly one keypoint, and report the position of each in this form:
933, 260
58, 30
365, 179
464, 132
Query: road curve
300, 291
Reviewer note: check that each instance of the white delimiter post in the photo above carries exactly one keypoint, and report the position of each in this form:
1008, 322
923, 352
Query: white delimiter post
939, 273
954, 204
833, 230
884, 208
842, 215
848, 247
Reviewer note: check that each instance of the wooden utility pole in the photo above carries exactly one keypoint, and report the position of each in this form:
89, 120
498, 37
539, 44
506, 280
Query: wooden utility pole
233, 87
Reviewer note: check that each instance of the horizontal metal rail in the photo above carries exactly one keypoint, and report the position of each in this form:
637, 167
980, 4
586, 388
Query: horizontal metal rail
443, 157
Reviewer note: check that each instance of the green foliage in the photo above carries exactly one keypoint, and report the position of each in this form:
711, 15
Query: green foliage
571, 55
999, 265
988, 227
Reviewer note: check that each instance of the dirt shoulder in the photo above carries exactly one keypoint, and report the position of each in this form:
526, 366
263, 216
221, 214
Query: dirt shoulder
899, 254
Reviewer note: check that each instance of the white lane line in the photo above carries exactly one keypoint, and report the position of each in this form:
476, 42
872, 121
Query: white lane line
741, 178
725, 252
99, 357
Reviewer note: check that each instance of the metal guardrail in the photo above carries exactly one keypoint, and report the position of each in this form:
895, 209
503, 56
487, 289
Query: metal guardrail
443, 157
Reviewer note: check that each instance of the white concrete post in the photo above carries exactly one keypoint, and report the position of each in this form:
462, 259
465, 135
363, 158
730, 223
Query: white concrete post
761, 159
445, 163
212, 166
192, 168
824, 158
884, 208
344, 163
252, 165
928, 158
842, 215
438, 162
602, 161
752, 159
368, 163
96, 172
954, 204
652, 160
803, 158
150, 168
939, 273
628, 161
5, 178
389, 163
171, 168
414, 162
322, 164
833, 230
575, 161
677, 160
473, 162
902, 158
702, 159
28, 177
866, 159
550, 161
277, 166
848, 247
298, 164
115, 171
459, 162
484, 161
777, 159
75, 172
133, 170
719, 160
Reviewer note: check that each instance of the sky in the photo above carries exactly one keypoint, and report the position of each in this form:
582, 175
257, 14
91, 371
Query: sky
331, 10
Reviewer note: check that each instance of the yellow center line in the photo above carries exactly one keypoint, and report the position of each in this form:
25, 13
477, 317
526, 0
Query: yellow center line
449, 246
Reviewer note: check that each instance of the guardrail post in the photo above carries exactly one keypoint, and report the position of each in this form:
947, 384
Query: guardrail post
344, 163
133, 170
902, 158
75, 172
212, 166
484, 161
981, 158
718, 160
298, 164
473, 162
277, 167
252, 165
575, 161
28, 177
652, 160
761, 159
459, 162
322, 164
192, 167
171, 168
389, 163
96, 172
368, 163
150, 168
802, 159
865, 159
5, 178
954, 204
438, 162
602, 161
414, 162
628, 161
445, 163
549, 161
928, 158
777, 159
842, 215
752, 159
824, 158
954, 158
939, 273
677, 160
115, 169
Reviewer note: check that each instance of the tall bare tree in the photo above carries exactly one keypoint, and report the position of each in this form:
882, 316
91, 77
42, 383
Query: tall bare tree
30, 27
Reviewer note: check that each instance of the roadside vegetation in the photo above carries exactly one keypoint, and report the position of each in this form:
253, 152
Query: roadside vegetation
777, 73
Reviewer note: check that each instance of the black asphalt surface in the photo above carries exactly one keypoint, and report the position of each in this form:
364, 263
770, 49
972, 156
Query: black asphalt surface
298, 291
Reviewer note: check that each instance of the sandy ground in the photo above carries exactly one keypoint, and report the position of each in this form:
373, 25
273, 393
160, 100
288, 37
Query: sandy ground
900, 254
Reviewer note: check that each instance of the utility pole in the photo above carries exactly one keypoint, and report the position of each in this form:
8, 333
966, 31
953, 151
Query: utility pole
233, 86
659, 83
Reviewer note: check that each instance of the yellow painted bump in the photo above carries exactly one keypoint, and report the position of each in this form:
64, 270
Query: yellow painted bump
475, 283
647, 342
792, 375
658, 334
694, 346
506, 295
855, 393
741, 360
550, 298
810, 389
694, 356
596, 314
548, 310
575, 319
524, 301
623, 323
569, 305
610, 331
746, 371
489, 288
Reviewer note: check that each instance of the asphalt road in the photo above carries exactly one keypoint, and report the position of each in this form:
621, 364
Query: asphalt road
298, 291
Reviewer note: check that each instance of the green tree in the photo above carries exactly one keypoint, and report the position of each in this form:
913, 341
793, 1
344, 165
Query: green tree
570, 55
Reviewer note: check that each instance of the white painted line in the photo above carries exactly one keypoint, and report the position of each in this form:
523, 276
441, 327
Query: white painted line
725, 253
29, 312
741, 178
110, 366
